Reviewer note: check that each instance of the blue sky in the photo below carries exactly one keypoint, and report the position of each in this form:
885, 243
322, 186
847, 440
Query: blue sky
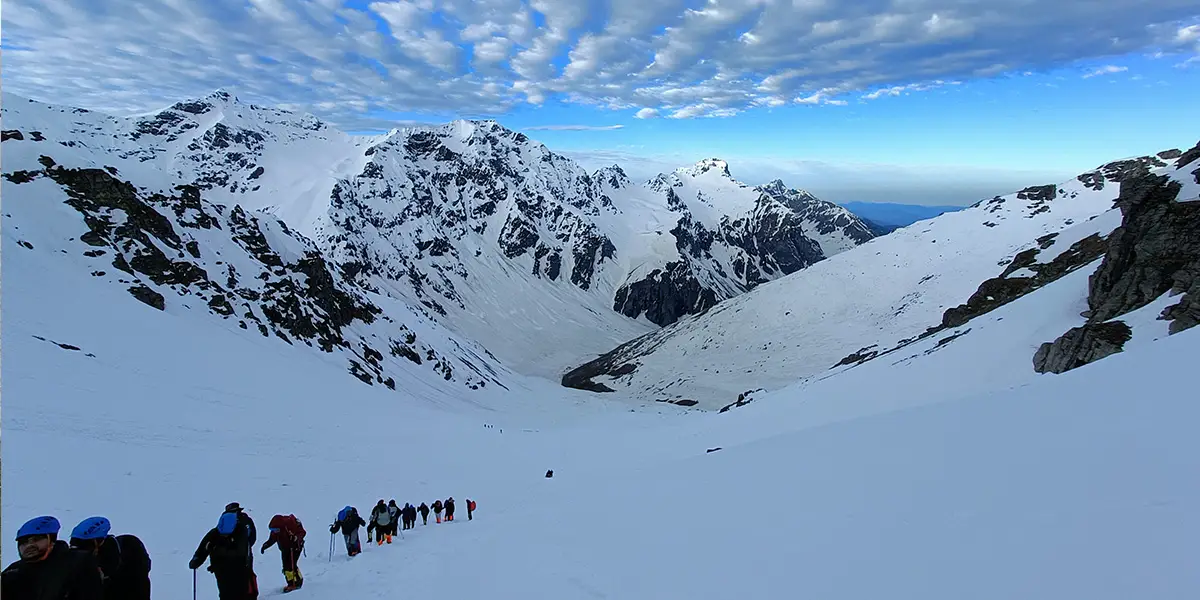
922, 101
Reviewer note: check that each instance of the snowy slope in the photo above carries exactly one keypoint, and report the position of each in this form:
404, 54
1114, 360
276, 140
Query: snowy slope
867, 484
874, 297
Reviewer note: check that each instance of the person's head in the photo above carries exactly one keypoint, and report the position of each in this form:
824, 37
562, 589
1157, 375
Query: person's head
233, 507
90, 533
392, 502
36, 538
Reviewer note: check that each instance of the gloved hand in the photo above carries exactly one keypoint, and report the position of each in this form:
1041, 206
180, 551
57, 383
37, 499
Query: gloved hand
333, 528
195, 563
262, 550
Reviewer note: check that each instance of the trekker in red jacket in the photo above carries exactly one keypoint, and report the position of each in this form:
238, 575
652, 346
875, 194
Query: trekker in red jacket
288, 532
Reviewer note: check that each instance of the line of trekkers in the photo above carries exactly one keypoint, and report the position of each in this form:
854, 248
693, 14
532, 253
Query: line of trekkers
99, 566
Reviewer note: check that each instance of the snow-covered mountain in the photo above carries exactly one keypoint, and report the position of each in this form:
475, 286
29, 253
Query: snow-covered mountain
77, 226
923, 282
497, 238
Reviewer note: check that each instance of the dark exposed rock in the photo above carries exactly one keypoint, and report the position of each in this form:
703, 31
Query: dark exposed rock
1188, 157
149, 296
1170, 154
589, 252
1080, 346
37, 136
1156, 250
22, 176
665, 295
859, 357
220, 305
11, 134
258, 172
195, 107
998, 291
517, 236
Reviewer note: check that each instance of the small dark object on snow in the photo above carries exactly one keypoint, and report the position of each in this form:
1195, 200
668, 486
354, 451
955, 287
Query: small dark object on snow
549, 473
710, 450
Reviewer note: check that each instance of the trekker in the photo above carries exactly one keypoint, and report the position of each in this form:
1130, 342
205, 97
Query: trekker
348, 522
395, 513
410, 515
470, 508
244, 520
123, 560
449, 508
424, 509
227, 548
381, 522
437, 510
49, 568
288, 532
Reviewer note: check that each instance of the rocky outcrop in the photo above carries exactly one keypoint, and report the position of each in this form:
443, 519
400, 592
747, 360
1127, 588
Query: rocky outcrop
665, 295
998, 291
1155, 251
1080, 346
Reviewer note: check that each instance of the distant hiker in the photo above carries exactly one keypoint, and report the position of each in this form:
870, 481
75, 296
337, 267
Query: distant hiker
227, 548
449, 508
246, 522
424, 510
381, 522
437, 510
549, 473
49, 568
123, 560
288, 532
348, 522
470, 508
410, 516
395, 513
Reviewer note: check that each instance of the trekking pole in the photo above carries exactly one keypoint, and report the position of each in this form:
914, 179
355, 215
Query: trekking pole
330, 546
193, 584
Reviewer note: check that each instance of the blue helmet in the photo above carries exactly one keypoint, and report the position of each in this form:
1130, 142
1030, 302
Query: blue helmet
39, 526
228, 523
91, 528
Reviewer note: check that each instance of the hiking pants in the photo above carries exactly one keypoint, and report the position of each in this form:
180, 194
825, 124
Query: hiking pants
289, 556
470, 513
438, 515
237, 584
352, 542
425, 519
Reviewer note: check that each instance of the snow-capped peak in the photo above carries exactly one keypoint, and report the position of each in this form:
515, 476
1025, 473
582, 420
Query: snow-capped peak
706, 165
775, 188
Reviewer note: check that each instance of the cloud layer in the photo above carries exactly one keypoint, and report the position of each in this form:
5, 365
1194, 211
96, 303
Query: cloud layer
352, 61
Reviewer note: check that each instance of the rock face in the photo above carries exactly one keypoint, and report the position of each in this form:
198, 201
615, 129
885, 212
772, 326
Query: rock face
1155, 251
1080, 346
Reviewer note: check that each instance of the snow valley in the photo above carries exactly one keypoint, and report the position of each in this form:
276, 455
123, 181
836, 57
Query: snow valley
456, 309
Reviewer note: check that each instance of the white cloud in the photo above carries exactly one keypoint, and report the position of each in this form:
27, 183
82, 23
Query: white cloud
646, 113
1105, 70
679, 58
573, 127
